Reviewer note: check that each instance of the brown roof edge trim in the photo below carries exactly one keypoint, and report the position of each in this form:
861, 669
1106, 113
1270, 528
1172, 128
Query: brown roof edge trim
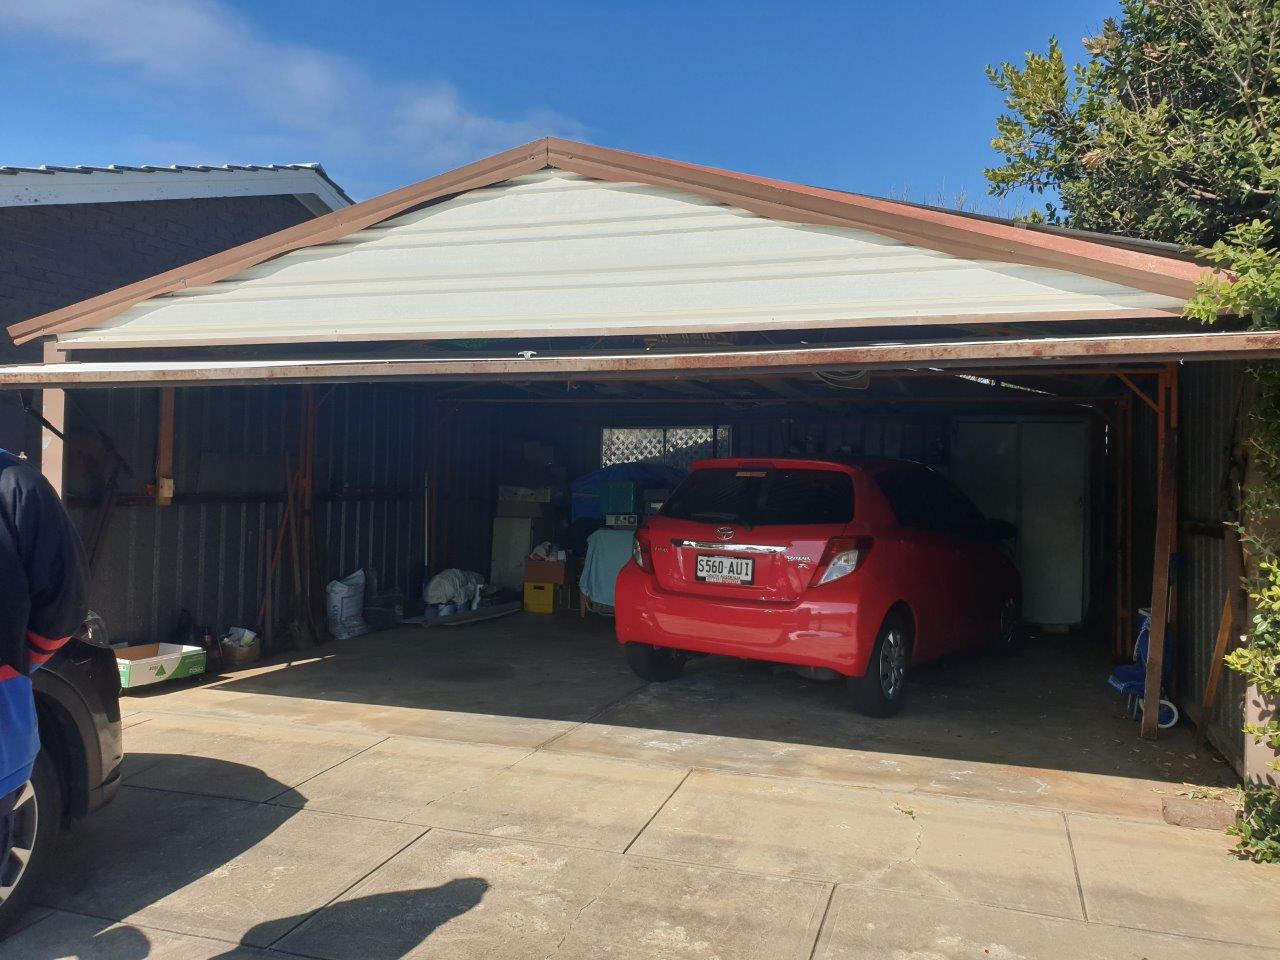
332, 226
1146, 348
935, 229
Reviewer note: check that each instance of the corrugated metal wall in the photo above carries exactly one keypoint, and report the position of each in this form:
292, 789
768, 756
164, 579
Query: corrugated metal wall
206, 553
1209, 412
465, 465
371, 461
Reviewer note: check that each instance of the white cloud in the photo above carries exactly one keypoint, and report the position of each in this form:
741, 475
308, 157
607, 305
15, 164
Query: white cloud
293, 95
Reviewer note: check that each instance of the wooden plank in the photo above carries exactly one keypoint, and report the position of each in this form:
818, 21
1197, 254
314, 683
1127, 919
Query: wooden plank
1233, 619
1166, 526
968, 355
53, 407
267, 615
164, 448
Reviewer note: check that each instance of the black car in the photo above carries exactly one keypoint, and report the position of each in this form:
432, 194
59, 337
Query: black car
77, 697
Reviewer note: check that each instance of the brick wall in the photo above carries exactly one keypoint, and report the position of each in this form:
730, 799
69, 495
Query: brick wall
58, 254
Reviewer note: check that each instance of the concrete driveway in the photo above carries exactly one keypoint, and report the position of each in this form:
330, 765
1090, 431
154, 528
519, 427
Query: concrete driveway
511, 791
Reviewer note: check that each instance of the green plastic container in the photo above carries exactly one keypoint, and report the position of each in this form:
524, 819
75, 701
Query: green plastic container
618, 497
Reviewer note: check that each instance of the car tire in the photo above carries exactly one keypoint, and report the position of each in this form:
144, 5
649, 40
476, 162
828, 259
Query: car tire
36, 823
1009, 633
655, 664
881, 690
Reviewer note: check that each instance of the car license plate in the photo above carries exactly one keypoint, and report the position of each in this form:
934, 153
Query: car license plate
741, 570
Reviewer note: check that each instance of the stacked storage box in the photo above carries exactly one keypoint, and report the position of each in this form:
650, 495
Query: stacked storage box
543, 580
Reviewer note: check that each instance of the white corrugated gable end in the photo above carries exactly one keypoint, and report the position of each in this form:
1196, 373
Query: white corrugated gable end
557, 254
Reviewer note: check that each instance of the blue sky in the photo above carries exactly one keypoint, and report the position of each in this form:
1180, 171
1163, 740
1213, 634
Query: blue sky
882, 98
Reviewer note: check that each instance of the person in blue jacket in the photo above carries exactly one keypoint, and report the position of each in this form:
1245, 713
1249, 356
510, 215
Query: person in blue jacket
43, 601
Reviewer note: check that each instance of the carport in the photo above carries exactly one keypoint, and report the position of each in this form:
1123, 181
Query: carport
392, 355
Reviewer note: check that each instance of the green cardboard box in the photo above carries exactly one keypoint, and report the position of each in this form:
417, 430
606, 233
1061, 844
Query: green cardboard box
156, 662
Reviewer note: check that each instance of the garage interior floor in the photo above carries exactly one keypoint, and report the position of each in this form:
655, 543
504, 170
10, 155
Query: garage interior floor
511, 790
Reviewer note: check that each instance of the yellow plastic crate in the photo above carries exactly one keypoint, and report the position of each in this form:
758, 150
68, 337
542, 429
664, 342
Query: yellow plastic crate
540, 597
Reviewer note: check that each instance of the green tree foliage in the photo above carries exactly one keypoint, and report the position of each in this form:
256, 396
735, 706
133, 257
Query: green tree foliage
1167, 131
1170, 130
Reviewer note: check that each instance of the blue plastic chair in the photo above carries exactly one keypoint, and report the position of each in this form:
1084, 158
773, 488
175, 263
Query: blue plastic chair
1131, 678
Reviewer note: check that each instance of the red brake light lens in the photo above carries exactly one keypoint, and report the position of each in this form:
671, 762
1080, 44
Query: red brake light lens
842, 557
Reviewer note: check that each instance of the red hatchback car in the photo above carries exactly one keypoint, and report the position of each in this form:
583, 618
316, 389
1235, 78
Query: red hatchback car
863, 568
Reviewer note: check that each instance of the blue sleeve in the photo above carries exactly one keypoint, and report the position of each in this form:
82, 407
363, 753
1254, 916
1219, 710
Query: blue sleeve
19, 736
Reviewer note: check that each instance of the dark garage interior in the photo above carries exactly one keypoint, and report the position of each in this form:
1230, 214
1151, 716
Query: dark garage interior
405, 482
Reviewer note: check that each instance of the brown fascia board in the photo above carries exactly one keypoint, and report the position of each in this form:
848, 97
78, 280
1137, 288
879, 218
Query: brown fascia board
933, 229
325, 229
963, 355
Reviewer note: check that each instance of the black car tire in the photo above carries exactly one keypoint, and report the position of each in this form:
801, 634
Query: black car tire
655, 664
1009, 633
40, 837
881, 690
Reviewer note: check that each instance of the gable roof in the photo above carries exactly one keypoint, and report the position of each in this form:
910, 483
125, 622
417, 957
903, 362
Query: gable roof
32, 186
1170, 279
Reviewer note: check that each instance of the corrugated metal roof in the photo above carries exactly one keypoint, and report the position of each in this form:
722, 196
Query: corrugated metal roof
24, 186
555, 253
172, 168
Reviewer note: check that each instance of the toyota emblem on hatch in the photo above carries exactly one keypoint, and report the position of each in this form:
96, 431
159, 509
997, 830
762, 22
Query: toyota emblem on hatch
724, 533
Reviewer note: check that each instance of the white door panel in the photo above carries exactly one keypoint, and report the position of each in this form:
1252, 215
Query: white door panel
1034, 473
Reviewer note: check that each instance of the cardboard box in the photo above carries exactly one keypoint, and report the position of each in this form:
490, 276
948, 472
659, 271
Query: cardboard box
544, 571
154, 662
527, 494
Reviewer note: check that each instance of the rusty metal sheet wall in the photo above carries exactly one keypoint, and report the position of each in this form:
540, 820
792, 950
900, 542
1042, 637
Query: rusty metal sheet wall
206, 553
1209, 412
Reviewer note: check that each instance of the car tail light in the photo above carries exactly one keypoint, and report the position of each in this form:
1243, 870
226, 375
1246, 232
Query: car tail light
640, 551
842, 557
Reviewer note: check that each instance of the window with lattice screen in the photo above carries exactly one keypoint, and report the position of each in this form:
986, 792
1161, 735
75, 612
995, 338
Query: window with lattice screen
673, 446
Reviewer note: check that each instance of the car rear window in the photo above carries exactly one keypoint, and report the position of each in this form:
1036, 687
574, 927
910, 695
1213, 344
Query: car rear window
763, 497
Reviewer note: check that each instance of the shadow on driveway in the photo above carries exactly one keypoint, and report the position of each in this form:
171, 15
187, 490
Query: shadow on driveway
150, 845
1047, 708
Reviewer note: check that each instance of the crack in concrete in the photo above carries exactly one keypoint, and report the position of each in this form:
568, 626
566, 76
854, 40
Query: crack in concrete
583, 909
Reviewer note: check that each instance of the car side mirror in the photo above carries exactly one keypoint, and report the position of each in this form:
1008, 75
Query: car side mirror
998, 530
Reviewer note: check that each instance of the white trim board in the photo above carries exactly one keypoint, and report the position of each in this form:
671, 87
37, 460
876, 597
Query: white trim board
35, 187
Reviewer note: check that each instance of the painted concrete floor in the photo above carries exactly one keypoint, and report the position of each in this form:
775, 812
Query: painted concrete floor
509, 790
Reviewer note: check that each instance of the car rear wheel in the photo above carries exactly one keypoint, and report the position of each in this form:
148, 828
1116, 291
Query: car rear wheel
657, 664
1008, 640
880, 691
28, 836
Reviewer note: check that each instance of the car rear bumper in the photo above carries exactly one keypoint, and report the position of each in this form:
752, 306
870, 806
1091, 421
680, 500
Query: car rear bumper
826, 632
